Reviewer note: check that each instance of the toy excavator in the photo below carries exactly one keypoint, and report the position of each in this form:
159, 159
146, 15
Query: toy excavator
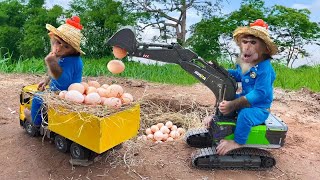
252, 156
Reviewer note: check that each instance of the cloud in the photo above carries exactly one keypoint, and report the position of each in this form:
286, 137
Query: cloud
63, 3
301, 6
314, 6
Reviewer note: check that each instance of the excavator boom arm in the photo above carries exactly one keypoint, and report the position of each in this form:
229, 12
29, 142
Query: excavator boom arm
211, 74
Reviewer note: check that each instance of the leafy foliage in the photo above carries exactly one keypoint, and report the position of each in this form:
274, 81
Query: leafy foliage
292, 31
205, 37
23, 34
11, 21
290, 28
36, 42
101, 19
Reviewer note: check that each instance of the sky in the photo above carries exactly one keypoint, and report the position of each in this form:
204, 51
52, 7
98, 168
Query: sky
232, 5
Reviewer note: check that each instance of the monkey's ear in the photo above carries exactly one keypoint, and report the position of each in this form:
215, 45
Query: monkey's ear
268, 51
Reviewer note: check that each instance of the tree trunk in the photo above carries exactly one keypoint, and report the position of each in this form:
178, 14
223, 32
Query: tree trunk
181, 28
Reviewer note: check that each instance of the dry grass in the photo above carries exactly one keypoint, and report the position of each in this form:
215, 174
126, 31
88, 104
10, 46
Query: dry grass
183, 112
187, 114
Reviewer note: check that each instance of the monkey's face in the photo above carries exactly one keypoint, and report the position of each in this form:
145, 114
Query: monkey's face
252, 49
60, 47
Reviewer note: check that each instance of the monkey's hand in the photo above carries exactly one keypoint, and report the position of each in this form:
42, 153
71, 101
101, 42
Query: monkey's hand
227, 107
51, 57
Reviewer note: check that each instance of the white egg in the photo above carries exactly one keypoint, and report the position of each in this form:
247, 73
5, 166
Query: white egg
181, 131
150, 136
174, 134
165, 137
95, 84
169, 139
77, 86
126, 98
154, 128
169, 124
62, 94
158, 136
115, 90
164, 130
92, 99
148, 131
102, 92
174, 127
113, 102
74, 96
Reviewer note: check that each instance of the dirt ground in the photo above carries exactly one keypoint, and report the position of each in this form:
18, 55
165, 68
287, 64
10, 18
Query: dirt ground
23, 157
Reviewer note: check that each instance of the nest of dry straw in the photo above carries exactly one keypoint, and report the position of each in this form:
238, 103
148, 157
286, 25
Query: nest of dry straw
184, 113
63, 106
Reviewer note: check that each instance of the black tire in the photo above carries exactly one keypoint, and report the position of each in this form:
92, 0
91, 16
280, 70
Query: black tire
267, 162
79, 152
62, 144
30, 129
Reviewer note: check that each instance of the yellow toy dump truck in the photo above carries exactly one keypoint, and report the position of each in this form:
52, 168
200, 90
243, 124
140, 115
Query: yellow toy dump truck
84, 135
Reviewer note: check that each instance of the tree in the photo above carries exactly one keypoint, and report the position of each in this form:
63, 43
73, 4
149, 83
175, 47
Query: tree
292, 30
100, 19
11, 23
212, 38
164, 14
249, 11
35, 42
205, 37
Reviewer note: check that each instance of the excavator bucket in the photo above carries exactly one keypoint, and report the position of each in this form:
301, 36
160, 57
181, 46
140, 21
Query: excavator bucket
124, 38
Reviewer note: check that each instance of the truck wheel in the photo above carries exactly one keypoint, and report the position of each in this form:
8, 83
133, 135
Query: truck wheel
61, 143
30, 129
79, 152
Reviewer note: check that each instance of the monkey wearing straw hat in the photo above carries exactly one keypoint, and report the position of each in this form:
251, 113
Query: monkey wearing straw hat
64, 63
254, 71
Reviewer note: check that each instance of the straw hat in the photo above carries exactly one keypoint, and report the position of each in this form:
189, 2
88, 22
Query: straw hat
69, 32
258, 29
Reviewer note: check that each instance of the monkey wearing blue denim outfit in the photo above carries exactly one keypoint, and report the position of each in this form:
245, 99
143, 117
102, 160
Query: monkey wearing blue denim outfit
72, 73
64, 64
256, 74
257, 87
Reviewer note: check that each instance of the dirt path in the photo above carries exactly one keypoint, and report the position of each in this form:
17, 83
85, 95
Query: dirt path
22, 157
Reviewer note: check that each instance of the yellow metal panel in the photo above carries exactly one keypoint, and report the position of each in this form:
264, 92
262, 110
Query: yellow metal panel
27, 91
92, 132
31, 88
22, 115
95, 133
75, 126
119, 127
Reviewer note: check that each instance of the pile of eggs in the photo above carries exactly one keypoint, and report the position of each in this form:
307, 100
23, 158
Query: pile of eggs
163, 132
92, 93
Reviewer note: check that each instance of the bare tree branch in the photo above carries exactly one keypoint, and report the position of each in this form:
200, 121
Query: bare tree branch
161, 11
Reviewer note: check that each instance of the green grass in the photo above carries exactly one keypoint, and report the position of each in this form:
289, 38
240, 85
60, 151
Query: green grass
306, 76
35, 66
287, 78
169, 73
